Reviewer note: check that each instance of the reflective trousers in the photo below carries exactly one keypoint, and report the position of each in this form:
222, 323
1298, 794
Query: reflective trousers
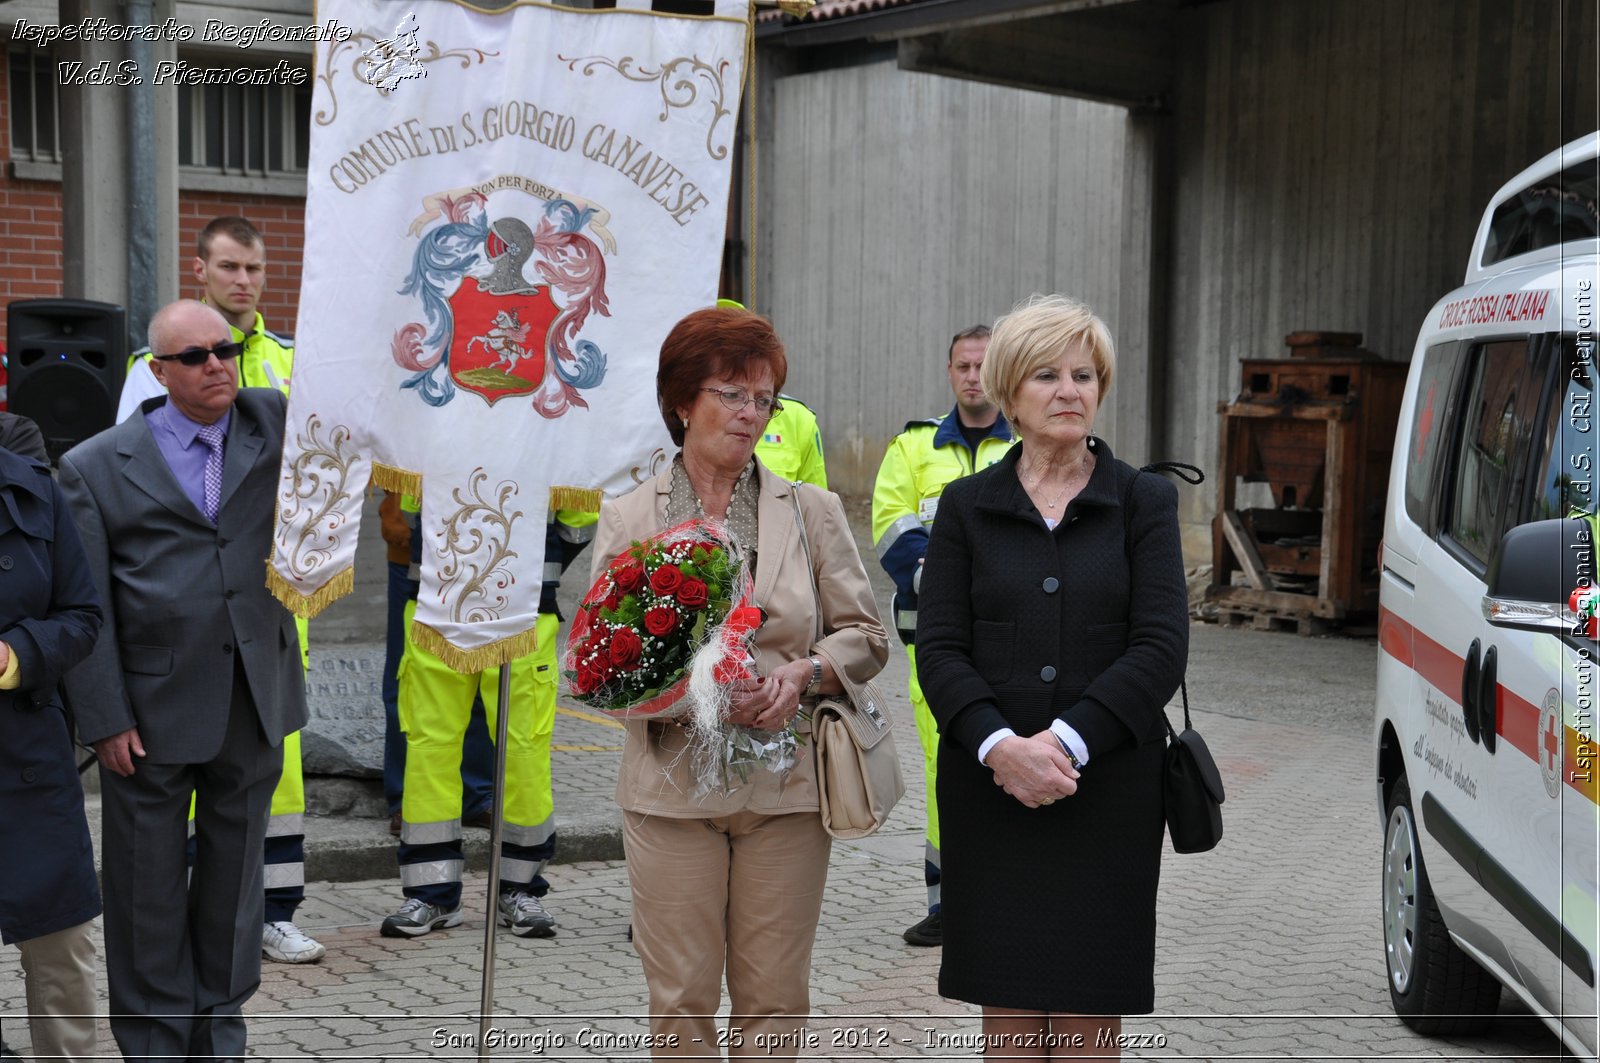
928, 735
435, 705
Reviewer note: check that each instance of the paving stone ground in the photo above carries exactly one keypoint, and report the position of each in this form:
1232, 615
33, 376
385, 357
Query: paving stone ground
1269, 947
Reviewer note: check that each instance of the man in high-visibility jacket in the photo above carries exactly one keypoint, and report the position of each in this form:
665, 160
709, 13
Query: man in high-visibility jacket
230, 265
920, 463
435, 706
791, 444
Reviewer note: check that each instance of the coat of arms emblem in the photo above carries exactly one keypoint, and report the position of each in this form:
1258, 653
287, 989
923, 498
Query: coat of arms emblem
491, 329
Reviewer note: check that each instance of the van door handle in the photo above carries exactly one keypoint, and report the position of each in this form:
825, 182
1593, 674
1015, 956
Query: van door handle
1489, 697
1469, 689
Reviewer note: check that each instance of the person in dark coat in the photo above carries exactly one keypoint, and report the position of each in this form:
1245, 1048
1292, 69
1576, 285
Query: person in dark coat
49, 618
1053, 628
21, 435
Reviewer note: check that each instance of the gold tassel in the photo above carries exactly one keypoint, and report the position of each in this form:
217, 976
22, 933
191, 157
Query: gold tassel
797, 8
307, 606
469, 662
586, 499
400, 481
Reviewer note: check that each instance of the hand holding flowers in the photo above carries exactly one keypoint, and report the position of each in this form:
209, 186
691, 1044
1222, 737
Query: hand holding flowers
669, 621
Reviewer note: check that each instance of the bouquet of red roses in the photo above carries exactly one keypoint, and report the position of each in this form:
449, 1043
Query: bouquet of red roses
670, 618
638, 629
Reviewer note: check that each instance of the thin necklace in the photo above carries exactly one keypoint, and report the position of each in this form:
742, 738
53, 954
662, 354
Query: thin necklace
1052, 503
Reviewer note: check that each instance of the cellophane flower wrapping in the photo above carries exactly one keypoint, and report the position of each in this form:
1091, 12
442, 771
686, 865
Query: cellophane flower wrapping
662, 633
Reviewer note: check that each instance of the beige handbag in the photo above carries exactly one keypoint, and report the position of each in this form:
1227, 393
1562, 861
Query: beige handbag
858, 768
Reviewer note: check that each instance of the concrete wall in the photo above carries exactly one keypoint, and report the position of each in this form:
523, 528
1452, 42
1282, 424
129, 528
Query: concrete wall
907, 206
1332, 161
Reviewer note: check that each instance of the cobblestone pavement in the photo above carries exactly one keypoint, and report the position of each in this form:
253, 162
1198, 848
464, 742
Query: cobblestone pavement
1270, 947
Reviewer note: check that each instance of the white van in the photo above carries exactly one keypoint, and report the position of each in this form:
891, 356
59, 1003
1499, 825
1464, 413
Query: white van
1487, 766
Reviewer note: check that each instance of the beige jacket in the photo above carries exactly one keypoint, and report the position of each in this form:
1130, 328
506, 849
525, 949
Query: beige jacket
655, 776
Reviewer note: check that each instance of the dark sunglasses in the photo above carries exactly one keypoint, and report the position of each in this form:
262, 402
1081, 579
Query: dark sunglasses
193, 356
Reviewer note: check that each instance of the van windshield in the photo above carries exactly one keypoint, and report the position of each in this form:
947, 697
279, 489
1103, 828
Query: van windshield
1557, 210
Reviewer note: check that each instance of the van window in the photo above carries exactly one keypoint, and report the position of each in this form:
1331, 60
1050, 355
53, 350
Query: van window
1567, 459
1556, 210
1434, 392
1501, 398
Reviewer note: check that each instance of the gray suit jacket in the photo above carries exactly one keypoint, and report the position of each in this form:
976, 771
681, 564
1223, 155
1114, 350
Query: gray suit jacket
182, 598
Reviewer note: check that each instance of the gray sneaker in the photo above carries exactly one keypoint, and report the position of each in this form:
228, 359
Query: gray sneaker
417, 917
522, 912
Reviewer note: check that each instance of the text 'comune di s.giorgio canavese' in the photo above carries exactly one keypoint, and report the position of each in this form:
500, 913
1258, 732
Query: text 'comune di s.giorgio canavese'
663, 182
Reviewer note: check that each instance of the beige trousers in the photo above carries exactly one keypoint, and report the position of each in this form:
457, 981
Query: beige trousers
740, 894
58, 971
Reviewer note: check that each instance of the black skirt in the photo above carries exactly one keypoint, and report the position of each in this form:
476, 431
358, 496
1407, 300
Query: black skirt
1052, 908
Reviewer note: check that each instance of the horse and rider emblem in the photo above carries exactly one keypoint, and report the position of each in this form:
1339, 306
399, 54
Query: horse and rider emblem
491, 329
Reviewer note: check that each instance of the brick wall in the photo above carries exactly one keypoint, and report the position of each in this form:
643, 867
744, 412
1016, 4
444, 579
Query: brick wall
30, 228
31, 237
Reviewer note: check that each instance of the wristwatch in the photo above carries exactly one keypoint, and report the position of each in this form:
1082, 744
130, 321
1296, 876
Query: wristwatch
816, 675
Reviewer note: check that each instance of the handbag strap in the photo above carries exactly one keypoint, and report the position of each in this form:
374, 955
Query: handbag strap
864, 697
1189, 474
805, 548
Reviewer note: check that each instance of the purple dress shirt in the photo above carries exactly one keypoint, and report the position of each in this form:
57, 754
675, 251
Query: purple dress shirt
186, 455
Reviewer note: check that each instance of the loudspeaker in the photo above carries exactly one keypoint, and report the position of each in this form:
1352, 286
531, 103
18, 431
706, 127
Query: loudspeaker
67, 361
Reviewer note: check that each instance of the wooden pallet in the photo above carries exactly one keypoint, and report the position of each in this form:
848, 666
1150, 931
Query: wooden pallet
1292, 623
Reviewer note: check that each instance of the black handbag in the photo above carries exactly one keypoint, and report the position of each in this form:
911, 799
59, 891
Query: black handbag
1191, 787
1191, 783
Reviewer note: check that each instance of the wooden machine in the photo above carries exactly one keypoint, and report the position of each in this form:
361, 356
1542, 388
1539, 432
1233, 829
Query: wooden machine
1318, 429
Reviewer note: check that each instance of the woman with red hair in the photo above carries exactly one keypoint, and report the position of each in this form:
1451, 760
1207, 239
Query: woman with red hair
732, 883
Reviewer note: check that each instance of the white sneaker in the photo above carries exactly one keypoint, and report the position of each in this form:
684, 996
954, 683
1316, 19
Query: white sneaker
287, 943
525, 915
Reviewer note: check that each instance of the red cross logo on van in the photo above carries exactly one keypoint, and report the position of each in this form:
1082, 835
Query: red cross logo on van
1550, 741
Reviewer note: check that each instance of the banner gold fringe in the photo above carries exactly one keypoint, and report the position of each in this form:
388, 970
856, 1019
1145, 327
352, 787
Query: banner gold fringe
400, 481
467, 662
586, 499
307, 606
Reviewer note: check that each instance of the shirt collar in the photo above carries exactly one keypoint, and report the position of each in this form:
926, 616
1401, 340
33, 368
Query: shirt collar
949, 430
184, 428
239, 335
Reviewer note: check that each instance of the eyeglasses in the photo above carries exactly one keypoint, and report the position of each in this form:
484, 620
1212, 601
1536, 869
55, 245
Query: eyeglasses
737, 399
193, 356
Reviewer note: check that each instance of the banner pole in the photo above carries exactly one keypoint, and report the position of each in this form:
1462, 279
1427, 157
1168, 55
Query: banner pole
491, 907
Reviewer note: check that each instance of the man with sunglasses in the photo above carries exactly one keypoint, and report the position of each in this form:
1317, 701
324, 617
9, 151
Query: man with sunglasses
194, 682
230, 264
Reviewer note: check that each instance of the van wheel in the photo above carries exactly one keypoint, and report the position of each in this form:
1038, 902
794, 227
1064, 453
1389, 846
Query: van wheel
1435, 987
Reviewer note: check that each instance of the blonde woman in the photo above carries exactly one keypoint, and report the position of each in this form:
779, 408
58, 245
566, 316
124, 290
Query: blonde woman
1053, 628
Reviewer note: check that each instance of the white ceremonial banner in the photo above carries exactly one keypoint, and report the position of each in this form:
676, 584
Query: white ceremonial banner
507, 212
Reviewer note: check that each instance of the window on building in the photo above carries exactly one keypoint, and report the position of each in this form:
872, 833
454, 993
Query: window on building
35, 116
245, 130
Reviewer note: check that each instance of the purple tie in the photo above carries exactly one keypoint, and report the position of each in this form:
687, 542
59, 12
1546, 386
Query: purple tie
211, 436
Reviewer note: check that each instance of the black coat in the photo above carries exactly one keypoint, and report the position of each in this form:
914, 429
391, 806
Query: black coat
21, 435
1018, 625
49, 616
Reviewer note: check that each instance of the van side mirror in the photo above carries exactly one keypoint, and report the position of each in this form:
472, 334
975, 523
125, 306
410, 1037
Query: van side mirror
1534, 572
